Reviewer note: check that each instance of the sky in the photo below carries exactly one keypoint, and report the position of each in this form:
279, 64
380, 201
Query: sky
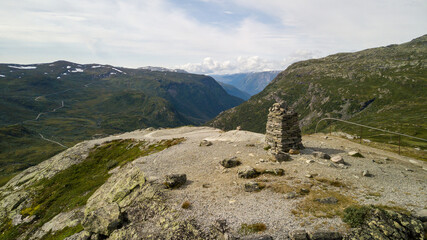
202, 36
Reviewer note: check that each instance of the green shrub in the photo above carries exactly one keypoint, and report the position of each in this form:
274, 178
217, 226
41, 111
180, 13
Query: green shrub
355, 216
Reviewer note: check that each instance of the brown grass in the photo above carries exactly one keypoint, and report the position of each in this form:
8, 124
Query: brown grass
252, 228
309, 205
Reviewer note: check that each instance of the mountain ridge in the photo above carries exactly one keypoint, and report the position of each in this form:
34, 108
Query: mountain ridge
371, 87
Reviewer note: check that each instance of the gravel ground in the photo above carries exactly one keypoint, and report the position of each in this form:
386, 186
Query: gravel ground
217, 193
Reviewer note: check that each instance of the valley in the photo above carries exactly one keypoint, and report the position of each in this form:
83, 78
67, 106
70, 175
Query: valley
68, 102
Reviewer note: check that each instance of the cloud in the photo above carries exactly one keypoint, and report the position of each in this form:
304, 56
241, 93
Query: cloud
170, 32
243, 64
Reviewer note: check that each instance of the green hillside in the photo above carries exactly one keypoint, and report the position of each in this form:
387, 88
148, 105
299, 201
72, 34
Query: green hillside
68, 103
382, 87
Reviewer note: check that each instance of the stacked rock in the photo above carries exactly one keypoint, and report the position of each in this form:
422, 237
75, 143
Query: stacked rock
282, 130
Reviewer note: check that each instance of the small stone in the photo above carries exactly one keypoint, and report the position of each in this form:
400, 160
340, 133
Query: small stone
238, 128
290, 195
175, 180
253, 187
366, 173
251, 155
409, 170
321, 155
293, 151
17, 219
366, 140
355, 154
387, 158
298, 235
205, 143
206, 185
337, 159
248, 172
276, 171
231, 162
310, 161
328, 200
309, 176
304, 191
325, 137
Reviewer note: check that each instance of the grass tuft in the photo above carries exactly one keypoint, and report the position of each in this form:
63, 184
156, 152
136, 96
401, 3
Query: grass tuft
252, 228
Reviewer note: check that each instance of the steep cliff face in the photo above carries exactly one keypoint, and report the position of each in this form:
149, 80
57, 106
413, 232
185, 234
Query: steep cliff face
384, 87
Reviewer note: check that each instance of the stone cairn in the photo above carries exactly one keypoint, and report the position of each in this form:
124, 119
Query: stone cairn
282, 130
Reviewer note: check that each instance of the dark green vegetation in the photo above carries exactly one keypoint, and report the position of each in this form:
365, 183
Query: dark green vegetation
72, 187
251, 83
381, 87
80, 102
355, 216
234, 91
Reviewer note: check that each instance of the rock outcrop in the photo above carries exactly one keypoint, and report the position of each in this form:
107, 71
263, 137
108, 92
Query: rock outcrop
383, 224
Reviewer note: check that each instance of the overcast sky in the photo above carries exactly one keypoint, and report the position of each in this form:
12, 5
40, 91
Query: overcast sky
202, 36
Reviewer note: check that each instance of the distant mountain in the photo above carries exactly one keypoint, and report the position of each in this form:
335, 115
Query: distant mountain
233, 91
383, 87
66, 102
251, 83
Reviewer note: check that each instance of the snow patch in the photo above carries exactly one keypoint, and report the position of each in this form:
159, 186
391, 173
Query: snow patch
96, 66
64, 74
113, 73
58, 77
77, 70
2, 75
23, 67
68, 67
118, 70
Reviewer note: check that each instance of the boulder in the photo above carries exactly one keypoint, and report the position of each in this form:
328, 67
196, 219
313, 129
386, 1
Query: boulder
325, 235
205, 143
103, 220
248, 172
422, 215
230, 162
321, 155
337, 159
175, 180
366, 173
253, 187
355, 154
298, 235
